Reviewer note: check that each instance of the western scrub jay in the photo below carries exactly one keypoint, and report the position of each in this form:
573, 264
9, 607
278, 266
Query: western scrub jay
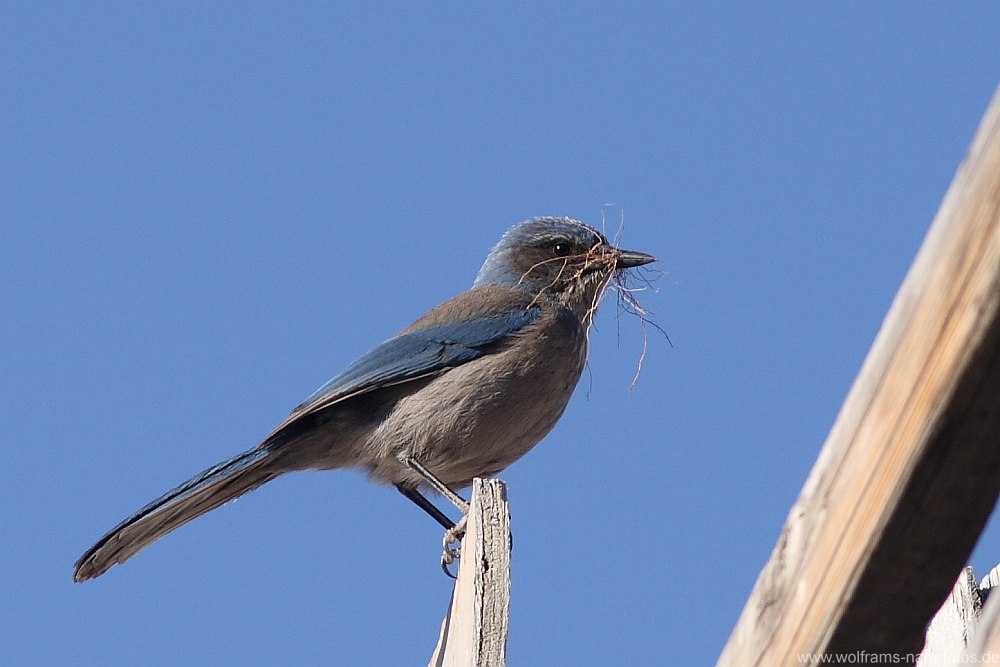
463, 392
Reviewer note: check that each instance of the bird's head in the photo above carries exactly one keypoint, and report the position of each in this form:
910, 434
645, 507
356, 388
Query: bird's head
558, 258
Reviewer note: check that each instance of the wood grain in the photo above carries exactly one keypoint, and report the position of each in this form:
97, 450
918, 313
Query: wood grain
910, 471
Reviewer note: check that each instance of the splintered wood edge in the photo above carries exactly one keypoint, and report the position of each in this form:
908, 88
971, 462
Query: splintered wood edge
954, 625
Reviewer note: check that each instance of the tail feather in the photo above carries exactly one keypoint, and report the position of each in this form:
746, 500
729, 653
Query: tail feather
198, 495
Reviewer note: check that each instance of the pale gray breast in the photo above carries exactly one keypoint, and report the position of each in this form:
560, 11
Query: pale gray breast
478, 418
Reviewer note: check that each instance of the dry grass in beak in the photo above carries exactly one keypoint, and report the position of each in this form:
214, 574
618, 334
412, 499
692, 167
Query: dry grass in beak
623, 284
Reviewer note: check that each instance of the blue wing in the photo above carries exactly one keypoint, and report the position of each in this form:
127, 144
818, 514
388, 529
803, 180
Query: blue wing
418, 354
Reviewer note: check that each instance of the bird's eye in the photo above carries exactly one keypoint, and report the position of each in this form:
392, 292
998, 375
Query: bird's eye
562, 249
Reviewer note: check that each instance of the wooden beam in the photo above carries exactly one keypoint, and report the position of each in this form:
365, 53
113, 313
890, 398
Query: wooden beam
910, 472
474, 633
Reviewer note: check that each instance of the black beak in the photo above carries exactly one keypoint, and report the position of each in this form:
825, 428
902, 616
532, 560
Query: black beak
628, 259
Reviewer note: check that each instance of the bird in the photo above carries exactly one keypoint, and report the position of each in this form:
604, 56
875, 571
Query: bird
463, 392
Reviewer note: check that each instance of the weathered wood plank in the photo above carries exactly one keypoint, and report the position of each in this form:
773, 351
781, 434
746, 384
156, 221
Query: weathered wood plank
911, 469
474, 633
951, 630
986, 640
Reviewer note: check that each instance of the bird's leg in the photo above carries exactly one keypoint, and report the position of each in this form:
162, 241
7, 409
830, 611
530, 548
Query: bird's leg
453, 531
434, 482
420, 501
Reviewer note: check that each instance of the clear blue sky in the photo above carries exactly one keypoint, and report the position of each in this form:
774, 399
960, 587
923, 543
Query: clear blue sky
209, 209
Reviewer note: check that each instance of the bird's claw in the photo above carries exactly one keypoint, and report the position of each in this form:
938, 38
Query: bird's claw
449, 555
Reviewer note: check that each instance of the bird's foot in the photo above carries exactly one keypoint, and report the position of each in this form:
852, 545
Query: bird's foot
453, 535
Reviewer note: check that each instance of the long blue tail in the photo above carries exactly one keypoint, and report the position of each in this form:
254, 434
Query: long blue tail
198, 495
